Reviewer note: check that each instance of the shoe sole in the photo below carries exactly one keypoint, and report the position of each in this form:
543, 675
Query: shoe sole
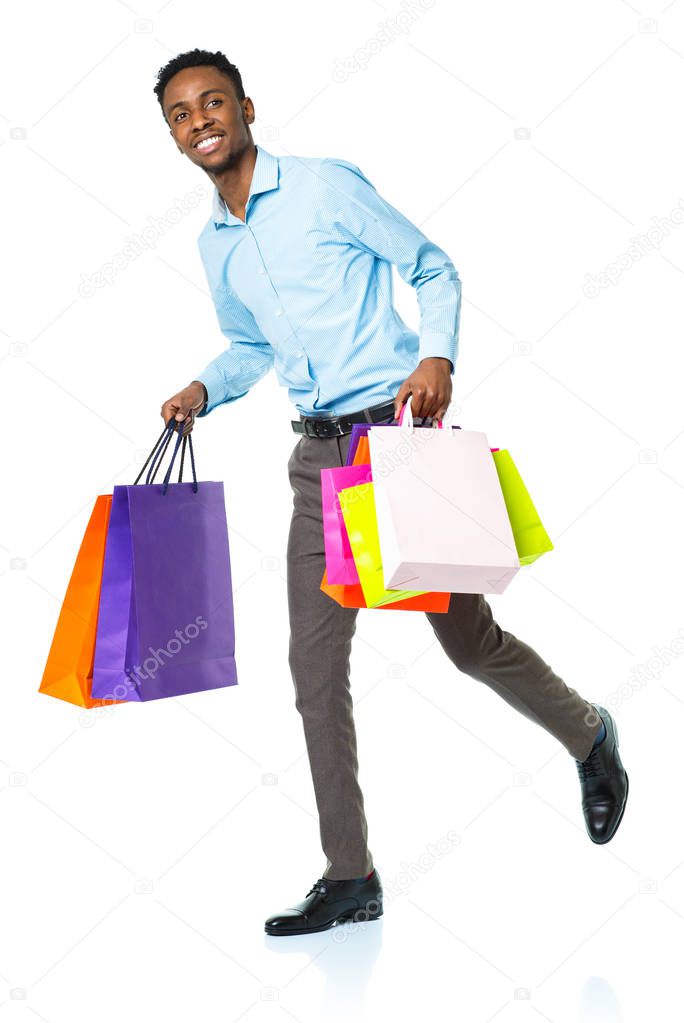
349, 917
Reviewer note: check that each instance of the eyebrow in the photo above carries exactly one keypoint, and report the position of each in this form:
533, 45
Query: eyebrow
183, 103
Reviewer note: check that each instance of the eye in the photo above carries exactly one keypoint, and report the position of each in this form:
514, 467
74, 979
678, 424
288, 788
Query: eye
216, 99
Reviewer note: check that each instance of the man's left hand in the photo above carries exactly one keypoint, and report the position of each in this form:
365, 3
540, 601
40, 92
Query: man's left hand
430, 388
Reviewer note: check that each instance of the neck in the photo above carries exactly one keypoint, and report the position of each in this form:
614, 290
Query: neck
234, 181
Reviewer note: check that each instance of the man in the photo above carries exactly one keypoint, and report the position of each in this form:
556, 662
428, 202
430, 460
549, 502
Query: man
298, 255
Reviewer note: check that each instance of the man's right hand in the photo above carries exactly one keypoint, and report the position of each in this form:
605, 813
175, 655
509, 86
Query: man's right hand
184, 405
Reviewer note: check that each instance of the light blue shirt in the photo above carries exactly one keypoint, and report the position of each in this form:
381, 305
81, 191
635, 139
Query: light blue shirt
304, 284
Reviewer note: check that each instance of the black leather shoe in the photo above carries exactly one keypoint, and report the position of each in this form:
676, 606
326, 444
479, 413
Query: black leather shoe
604, 784
328, 903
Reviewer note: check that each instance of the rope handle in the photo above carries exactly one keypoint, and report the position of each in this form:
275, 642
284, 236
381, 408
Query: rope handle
156, 456
180, 439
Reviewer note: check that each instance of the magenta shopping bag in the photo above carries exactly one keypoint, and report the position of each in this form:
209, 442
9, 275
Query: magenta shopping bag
339, 560
165, 623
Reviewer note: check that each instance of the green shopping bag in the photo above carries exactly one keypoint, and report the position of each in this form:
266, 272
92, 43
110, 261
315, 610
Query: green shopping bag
531, 539
358, 510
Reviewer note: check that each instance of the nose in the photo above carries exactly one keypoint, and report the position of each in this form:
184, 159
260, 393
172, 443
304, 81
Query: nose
200, 122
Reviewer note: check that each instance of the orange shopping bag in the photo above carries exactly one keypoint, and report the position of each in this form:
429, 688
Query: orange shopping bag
68, 673
362, 453
351, 595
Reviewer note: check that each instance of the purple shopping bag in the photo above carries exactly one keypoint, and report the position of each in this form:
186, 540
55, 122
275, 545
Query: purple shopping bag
339, 560
358, 430
165, 623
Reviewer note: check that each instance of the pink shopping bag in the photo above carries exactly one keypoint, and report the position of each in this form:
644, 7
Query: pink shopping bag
442, 518
339, 560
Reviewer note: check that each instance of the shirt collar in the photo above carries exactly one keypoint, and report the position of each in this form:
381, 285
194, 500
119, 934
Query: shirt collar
264, 179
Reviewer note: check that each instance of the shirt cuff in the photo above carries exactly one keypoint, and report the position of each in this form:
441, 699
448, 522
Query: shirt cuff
215, 385
438, 346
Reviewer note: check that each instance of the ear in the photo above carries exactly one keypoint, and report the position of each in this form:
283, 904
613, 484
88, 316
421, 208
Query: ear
248, 110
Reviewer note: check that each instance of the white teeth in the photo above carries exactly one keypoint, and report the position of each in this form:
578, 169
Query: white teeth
207, 142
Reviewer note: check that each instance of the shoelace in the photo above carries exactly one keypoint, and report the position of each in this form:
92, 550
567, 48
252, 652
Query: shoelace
320, 886
592, 767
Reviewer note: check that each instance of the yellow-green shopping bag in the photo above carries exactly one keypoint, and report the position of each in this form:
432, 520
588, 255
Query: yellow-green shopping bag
531, 539
358, 509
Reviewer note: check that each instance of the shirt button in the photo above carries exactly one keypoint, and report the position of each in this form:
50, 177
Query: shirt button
261, 270
279, 312
299, 353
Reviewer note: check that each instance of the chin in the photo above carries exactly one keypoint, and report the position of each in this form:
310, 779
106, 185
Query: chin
217, 164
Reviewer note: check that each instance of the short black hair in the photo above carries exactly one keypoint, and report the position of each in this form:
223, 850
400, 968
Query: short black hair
197, 58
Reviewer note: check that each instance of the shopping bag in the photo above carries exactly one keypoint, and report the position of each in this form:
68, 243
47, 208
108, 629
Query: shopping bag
352, 596
442, 519
166, 624
362, 454
357, 452
68, 673
358, 508
358, 432
531, 539
339, 560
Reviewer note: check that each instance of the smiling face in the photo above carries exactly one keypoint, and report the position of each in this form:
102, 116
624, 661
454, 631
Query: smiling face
207, 121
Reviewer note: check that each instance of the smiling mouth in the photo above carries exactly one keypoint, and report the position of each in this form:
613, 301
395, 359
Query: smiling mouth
208, 145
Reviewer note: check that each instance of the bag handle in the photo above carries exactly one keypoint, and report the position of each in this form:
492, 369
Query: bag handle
436, 423
152, 454
182, 438
158, 451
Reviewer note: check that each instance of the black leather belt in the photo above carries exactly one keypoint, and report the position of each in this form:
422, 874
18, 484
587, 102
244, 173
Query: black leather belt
336, 426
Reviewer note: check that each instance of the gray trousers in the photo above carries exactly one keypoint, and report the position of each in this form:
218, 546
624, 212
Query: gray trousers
320, 644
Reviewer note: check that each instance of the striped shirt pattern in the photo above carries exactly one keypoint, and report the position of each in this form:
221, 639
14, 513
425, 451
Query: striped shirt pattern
304, 285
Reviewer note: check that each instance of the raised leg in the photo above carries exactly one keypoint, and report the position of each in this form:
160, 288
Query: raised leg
478, 646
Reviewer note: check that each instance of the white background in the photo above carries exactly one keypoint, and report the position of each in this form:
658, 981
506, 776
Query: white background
143, 846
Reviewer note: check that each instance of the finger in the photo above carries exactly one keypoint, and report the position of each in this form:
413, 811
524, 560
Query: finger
400, 399
420, 403
190, 422
431, 404
439, 406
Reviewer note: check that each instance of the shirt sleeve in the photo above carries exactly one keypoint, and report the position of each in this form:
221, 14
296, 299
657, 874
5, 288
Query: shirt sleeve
366, 220
247, 359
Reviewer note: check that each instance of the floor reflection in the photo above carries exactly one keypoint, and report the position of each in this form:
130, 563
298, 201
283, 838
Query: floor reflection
345, 956
599, 1003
